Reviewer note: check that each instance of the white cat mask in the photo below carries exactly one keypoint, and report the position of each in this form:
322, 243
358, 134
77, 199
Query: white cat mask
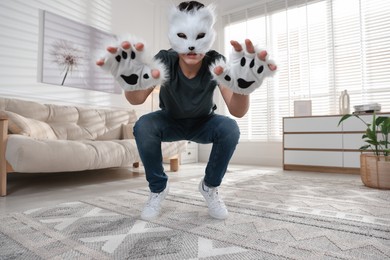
192, 31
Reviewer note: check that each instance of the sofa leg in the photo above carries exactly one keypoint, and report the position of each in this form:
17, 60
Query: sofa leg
3, 162
3, 182
174, 164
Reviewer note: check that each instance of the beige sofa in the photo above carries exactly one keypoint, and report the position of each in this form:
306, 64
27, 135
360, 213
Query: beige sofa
38, 137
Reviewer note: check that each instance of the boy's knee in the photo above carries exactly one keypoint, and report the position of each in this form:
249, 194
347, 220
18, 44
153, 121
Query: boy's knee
235, 131
230, 130
144, 122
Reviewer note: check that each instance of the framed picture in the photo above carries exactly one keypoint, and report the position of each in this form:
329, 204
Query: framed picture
302, 108
68, 52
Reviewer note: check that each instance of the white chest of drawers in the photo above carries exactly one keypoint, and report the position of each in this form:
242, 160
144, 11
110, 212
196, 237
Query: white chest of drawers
317, 143
191, 153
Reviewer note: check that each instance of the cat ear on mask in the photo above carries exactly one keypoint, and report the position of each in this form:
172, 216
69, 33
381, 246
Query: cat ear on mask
208, 14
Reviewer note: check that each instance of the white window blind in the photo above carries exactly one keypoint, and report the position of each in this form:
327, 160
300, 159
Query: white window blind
321, 48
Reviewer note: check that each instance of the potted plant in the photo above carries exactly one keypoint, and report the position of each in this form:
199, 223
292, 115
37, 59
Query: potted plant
375, 156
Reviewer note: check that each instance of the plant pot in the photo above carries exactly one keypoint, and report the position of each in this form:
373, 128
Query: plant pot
375, 171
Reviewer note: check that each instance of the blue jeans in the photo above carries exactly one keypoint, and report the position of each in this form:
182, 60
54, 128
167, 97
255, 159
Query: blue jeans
156, 127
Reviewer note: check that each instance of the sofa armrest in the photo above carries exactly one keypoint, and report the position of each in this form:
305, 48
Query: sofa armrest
3, 162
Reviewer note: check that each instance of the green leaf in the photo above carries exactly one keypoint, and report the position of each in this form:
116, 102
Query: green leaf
372, 142
364, 147
385, 125
344, 118
380, 126
371, 134
380, 119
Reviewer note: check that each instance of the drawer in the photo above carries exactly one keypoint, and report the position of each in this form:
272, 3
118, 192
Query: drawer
191, 153
314, 158
189, 156
313, 141
312, 124
353, 141
352, 159
192, 145
355, 124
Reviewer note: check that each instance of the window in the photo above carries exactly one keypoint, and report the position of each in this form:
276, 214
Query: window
321, 48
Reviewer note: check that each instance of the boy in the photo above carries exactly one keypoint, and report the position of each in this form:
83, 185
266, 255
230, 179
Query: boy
188, 73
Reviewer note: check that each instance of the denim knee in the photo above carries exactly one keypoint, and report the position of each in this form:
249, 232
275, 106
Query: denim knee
144, 122
229, 130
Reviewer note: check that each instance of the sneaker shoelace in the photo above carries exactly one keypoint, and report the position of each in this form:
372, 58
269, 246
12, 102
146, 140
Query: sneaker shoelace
215, 201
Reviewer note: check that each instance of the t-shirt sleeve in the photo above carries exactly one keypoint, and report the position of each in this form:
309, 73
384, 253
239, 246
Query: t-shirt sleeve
162, 56
214, 56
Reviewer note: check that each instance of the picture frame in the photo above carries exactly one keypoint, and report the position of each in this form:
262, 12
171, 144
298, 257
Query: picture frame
68, 51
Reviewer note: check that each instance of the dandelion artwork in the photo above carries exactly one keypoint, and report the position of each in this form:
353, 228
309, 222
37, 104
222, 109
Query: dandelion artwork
67, 56
68, 51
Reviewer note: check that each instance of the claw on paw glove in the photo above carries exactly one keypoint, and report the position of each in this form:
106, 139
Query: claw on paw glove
244, 72
132, 69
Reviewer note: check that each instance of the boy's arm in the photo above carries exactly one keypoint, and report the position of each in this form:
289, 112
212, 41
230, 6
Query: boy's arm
138, 97
237, 104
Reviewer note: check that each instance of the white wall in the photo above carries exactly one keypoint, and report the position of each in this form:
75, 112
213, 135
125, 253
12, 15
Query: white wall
251, 153
19, 34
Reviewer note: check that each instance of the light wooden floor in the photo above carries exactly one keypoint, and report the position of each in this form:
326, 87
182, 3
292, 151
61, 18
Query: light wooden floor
27, 191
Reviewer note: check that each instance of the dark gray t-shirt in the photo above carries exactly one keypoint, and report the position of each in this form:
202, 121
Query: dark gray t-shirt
187, 98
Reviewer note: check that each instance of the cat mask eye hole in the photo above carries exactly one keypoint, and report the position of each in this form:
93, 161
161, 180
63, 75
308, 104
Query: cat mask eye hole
200, 36
182, 35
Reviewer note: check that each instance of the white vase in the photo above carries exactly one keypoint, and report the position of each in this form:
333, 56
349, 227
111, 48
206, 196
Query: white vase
344, 107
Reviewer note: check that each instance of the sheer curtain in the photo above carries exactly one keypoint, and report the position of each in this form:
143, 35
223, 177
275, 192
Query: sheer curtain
321, 47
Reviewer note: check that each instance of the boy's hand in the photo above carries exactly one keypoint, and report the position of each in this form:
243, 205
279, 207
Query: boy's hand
129, 66
245, 70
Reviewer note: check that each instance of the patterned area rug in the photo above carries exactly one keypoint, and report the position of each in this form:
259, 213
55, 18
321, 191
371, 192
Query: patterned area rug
272, 215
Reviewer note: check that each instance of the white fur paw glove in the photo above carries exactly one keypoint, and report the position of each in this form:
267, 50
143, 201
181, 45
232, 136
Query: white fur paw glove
130, 67
244, 72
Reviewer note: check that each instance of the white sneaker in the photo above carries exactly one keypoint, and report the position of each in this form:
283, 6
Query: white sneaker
217, 208
153, 205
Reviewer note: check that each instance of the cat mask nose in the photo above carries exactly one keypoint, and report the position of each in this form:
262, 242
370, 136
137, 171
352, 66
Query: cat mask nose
191, 48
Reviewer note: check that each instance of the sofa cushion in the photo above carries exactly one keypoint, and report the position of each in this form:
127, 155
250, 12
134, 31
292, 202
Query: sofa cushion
81, 123
74, 122
71, 131
29, 109
30, 155
30, 127
127, 131
113, 134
